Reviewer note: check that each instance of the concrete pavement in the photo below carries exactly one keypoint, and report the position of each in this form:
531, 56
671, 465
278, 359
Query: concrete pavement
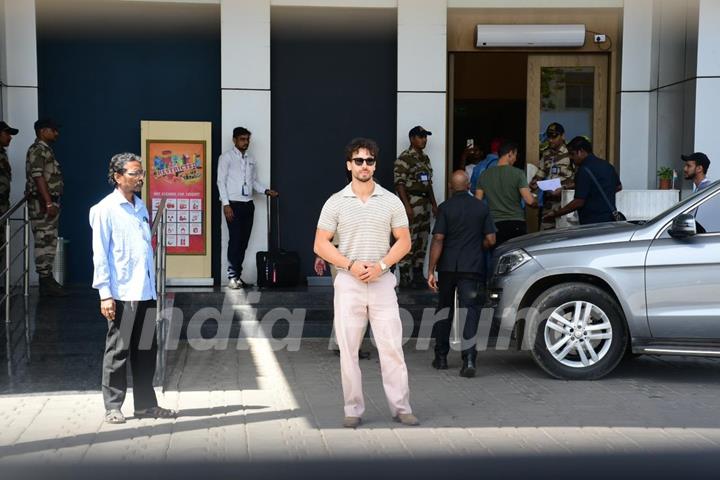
260, 405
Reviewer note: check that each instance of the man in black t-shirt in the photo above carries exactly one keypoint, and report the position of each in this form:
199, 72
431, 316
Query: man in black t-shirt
592, 175
463, 229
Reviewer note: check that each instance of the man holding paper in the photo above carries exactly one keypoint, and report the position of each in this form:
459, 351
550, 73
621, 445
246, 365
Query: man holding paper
597, 182
555, 173
504, 186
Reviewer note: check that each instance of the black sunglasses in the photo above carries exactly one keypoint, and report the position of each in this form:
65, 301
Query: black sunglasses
359, 161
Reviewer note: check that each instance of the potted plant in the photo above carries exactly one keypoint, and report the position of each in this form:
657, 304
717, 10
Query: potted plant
665, 176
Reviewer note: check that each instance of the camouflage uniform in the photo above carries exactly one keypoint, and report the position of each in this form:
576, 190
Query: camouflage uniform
555, 164
5, 178
413, 169
41, 161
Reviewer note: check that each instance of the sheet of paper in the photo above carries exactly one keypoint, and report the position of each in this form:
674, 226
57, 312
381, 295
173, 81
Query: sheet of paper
549, 185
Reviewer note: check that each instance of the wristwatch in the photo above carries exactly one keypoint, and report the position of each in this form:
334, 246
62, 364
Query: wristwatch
383, 267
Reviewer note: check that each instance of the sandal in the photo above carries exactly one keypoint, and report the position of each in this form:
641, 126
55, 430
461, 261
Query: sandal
155, 412
114, 416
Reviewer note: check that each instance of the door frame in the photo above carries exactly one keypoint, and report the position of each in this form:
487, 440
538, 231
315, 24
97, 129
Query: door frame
600, 98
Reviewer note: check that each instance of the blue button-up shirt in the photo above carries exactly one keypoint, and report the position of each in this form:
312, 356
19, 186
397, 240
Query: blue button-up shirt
122, 249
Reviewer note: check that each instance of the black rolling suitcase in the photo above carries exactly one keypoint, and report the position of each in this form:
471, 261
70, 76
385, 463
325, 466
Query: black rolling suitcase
277, 267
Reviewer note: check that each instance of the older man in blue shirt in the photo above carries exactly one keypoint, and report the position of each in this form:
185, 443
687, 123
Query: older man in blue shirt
125, 279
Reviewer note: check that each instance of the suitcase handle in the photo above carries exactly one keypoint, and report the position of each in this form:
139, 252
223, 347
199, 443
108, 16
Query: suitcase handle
269, 221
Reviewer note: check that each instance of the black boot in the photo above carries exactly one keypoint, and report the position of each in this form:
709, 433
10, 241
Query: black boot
50, 288
440, 362
468, 366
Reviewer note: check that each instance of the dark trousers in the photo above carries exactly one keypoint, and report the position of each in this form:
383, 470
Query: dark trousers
507, 229
132, 334
471, 298
239, 232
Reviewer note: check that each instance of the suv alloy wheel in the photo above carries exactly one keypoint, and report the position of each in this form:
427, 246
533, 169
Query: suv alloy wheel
578, 332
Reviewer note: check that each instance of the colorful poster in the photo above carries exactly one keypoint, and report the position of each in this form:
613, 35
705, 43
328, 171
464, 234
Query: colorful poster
177, 172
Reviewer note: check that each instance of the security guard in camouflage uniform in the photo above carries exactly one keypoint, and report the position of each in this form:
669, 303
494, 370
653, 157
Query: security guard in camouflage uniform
554, 163
6, 134
44, 187
413, 182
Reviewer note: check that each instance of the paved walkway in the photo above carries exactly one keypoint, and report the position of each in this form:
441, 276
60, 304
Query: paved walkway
256, 404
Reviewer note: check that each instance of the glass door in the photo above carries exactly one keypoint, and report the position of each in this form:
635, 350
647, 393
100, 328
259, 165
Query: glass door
570, 90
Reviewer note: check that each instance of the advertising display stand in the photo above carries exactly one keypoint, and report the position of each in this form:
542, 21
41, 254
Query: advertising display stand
176, 158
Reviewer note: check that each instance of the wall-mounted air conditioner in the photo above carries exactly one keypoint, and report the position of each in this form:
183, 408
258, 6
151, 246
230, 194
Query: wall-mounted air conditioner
493, 36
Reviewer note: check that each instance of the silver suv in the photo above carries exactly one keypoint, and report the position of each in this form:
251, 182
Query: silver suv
580, 298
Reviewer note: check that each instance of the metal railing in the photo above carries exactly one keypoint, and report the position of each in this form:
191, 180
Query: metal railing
159, 232
8, 259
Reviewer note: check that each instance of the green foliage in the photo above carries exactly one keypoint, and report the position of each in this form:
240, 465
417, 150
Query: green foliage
665, 173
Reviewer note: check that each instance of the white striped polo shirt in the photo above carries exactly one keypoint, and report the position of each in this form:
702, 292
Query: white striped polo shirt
364, 228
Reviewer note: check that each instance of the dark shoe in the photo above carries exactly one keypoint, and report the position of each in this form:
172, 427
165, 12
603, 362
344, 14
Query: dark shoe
440, 362
351, 422
468, 368
155, 412
114, 416
407, 419
50, 288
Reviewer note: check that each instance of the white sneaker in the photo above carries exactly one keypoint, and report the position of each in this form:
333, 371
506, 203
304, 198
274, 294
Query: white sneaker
234, 283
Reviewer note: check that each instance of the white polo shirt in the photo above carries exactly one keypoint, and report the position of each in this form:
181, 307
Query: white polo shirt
364, 228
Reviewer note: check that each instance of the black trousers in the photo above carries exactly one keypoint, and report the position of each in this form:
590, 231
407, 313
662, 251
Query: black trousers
132, 334
507, 229
471, 298
239, 236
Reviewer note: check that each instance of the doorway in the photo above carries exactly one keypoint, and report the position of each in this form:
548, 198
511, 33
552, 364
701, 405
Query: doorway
516, 95
487, 101
570, 90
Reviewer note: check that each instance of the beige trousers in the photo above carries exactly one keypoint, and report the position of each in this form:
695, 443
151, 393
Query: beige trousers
355, 303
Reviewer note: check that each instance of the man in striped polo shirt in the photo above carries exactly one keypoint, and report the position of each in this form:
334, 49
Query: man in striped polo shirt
364, 214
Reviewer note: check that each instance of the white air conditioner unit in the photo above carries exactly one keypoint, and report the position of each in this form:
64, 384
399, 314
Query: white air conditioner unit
493, 36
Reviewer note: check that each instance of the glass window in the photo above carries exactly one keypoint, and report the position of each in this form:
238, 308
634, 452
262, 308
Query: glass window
566, 96
707, 216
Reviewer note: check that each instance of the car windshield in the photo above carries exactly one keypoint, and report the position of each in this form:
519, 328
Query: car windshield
687, 200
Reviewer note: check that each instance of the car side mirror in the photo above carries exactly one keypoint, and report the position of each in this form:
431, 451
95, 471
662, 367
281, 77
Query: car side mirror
683, 226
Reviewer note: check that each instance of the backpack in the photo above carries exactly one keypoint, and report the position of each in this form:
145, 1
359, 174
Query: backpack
479, 169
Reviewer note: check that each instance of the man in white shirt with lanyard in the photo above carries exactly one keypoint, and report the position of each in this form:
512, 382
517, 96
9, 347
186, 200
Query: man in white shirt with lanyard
363, 214
125, 279
237, 181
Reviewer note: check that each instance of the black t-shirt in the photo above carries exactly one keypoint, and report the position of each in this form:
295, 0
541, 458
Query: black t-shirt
596, 209
464, 221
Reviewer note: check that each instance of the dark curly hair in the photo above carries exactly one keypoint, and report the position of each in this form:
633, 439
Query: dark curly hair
358, 143
117, 165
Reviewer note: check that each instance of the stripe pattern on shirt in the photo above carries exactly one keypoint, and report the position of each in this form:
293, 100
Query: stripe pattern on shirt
364, 228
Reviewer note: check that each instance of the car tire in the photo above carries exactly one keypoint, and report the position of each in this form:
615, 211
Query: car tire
577, 346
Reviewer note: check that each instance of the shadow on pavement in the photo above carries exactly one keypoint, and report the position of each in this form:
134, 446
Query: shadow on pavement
587, 467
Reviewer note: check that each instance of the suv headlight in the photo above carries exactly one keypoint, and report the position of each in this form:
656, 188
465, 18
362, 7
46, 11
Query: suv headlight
511, 261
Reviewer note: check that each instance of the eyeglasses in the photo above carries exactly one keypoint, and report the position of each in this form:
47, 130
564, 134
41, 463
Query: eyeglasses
368, 161
136, 173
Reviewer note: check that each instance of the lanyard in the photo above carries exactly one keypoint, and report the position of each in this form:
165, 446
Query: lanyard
244, 167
